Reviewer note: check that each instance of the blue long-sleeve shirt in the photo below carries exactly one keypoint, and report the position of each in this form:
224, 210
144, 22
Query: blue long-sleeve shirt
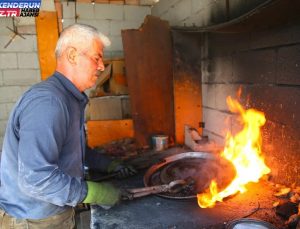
43, 151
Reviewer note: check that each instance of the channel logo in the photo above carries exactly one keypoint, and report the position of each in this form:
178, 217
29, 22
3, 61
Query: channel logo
20, 8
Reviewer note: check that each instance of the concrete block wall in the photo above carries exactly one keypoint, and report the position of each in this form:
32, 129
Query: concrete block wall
195, 13
264, 64
110, 19
201, 13
19, 65
19, 69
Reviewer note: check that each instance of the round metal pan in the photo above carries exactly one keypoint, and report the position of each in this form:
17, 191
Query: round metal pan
202, 167
249, 224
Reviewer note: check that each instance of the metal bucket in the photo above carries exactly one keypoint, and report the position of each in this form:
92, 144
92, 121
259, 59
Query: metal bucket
160, 142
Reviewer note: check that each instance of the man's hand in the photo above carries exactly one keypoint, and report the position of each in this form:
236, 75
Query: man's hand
125, 171
102, 193
121, 169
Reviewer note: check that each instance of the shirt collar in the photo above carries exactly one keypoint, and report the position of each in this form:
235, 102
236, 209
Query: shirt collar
81, 96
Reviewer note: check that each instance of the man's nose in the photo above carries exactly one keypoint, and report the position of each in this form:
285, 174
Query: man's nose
101, 66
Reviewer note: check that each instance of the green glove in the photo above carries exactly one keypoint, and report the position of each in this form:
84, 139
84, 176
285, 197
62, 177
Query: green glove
102, 194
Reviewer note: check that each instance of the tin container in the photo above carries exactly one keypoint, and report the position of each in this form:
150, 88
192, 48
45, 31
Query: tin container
248, 223
160, 142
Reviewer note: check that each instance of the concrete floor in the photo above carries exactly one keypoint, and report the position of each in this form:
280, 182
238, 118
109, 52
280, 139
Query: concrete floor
83, 220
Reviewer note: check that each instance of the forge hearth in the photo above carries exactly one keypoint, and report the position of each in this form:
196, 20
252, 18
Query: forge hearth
160, 212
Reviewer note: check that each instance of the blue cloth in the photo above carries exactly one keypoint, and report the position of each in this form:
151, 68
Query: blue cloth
43, 151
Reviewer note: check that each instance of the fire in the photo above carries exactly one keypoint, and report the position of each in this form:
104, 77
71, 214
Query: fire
244, 152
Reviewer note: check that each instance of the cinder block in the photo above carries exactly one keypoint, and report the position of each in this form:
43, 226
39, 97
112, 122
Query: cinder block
109, 108
10, 93
9, 107
132, 2
2, 127
228, 43
117, 26
217, 122
18, 44
255, 67
221, 70
222, 91
136, 13
68, 22
209, 95
119, 54
271, 37
146, 2
27, 29
182, 10
162, 7
103, 26
116, 43
68, 10
288, 64
196, 19
85, 11
5, 21
28, 60
109, 11
21, 77
171, 17
199, 5
1, 78
3, 111
8, 60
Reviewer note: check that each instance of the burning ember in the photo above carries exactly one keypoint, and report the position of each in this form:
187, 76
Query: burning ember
244, 151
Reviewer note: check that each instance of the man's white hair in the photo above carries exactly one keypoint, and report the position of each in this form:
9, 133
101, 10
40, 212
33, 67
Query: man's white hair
79, 35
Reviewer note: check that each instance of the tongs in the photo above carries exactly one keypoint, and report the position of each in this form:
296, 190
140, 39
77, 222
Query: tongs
173, 187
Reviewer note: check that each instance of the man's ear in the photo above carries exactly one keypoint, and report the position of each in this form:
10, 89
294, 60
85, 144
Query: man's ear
72, 55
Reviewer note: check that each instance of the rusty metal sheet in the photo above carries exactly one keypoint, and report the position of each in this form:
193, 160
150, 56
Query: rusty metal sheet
148, 62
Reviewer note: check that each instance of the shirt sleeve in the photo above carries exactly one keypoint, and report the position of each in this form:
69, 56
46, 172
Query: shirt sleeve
96, 160
43, 128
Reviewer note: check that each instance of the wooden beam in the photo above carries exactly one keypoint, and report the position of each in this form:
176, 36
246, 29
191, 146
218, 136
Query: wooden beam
47, 36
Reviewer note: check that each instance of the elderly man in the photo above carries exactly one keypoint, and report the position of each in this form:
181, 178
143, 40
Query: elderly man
42, 161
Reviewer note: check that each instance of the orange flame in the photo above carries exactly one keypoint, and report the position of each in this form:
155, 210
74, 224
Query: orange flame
244, 152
